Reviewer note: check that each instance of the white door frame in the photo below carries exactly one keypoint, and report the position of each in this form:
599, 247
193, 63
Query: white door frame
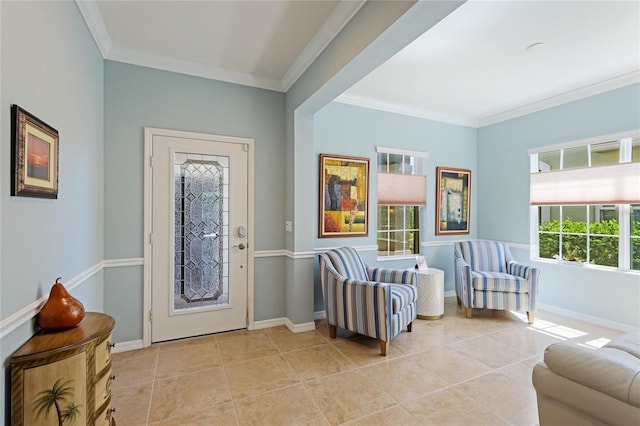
149, 133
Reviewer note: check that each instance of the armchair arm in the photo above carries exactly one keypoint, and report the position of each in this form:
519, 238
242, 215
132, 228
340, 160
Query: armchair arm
532, 275
521, 270
393, 276
464, 288
360, 306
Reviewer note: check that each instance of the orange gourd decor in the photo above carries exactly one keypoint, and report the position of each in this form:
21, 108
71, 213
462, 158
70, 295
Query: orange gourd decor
61, 311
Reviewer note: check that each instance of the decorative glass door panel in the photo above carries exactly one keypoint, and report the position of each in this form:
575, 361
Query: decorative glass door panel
199, 233
201, 245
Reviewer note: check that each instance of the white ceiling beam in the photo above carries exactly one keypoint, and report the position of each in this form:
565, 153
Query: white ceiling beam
329, 30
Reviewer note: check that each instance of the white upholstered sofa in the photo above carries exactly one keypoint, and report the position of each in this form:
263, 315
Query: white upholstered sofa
576, 385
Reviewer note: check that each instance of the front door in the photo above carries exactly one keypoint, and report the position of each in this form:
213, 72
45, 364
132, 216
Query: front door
198, 235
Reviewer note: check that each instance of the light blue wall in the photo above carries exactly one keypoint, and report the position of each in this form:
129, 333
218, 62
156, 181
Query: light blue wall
498, 158
503, 197
138, 97
349, 130
52, 68
99, 214
322, 81
374, 34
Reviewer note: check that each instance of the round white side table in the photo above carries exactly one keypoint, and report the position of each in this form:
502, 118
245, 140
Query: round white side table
430, 294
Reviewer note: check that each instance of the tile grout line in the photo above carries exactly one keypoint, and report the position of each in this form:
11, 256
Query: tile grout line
226, 382
300, 382
153, 385
492, 332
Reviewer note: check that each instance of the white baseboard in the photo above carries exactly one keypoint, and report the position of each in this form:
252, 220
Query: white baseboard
131, 345
276, 322
319, 315
587, 318
300, 328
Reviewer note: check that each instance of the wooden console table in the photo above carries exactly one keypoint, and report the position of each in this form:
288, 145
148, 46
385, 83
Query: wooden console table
64, 376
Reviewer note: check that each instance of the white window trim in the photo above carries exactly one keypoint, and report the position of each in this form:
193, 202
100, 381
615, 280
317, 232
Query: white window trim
421, 210
587, 141
624, 210
405, 152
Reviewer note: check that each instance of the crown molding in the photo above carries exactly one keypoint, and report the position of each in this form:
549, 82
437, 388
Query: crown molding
550, 102
404, 110
334, 24
93, 19
563, 98
153, 60
341, 15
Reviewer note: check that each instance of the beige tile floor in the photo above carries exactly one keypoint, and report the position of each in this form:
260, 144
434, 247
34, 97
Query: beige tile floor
453, 371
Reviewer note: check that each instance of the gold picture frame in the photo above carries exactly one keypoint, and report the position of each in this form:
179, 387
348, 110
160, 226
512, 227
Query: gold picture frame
344, 196
34, 156
453, 200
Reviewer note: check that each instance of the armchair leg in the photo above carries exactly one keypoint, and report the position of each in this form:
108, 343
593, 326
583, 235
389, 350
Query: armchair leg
530, 317
384, 347
332, 331
469, 312
409, 327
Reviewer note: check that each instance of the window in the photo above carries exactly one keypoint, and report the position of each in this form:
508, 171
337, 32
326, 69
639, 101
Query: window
574, 233
401, 193
584, 202
634, 237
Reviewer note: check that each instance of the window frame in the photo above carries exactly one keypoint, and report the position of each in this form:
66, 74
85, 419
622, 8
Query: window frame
624, 211
420, 159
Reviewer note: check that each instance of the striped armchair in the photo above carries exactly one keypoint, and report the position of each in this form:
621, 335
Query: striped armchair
375, 302
487, 277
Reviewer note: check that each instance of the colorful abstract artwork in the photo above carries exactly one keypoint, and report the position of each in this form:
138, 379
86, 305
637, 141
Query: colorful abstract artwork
453, 189
344, 193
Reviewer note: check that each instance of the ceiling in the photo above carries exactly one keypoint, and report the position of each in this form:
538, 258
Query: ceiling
486, 62
266, 44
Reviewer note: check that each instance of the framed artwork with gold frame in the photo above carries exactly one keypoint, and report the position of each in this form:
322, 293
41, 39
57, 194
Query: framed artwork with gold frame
453, 200
344, 196
34, 156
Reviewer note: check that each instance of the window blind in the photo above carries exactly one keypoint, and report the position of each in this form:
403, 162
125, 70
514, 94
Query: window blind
402, 190
612, 184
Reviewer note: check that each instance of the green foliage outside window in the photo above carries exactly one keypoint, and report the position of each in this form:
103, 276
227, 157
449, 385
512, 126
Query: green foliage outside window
603, 241
398, 230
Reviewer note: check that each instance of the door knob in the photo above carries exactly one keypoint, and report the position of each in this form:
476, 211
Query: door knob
241, 246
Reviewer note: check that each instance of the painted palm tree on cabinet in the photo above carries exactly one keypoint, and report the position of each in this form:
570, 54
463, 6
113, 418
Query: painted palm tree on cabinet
59, 394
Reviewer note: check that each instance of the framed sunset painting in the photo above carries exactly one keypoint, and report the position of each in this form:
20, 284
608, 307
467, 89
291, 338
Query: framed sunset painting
34, 156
